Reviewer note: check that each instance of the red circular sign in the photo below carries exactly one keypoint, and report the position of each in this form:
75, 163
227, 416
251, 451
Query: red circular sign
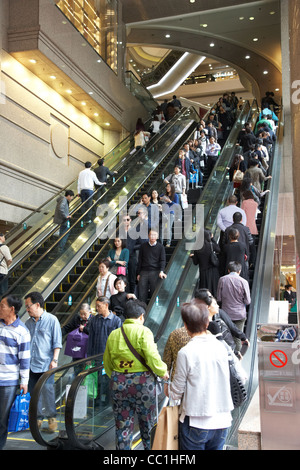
280, 357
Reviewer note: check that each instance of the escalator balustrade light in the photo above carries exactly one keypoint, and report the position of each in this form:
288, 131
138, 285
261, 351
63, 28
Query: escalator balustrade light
70, 300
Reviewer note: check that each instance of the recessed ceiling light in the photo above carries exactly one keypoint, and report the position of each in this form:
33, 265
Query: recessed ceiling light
107, 123
96, 114
53, 77
203, 25
247, 57
33, 61
83, 103
241, 18
265, 72
251, 18
99, 60
69, 91
272, 12
167, 36
90, 92
212, 44
255, 39
276, 89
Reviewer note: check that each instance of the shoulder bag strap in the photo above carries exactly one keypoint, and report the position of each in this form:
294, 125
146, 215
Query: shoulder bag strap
106, 284
134, 352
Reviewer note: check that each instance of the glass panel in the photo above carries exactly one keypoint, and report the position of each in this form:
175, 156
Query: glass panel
38, 225
97, 21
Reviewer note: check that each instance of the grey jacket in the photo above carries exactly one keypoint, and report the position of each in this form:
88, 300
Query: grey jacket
61, 210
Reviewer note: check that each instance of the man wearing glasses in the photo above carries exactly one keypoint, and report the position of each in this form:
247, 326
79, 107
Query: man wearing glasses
46, 342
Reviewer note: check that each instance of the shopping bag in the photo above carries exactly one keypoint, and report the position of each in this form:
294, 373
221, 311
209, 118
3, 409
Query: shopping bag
91, 382
184, 201
18, 417
167, 429
121, 271
76, 345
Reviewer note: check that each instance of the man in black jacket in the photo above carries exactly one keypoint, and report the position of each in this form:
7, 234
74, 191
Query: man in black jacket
151, 265
245, 236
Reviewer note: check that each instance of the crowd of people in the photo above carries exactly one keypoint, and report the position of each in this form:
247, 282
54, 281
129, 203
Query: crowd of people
195, 360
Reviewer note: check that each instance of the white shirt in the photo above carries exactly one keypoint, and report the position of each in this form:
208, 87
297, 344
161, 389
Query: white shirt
86, 180
213, 149
5, 254
225, 216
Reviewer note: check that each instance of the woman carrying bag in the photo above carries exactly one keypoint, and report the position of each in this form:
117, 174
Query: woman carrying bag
132, 382
202, 372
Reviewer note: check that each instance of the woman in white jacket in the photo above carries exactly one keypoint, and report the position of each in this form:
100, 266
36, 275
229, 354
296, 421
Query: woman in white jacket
202, 383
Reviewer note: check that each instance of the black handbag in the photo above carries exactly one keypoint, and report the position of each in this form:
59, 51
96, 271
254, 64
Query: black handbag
213, 257
238, 390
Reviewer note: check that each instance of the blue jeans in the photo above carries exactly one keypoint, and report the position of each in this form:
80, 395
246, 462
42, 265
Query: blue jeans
7, 396
200, 439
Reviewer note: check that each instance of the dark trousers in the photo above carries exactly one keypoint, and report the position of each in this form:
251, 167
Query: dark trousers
3, 284
86, 195
46, 404
63, 241
147, 284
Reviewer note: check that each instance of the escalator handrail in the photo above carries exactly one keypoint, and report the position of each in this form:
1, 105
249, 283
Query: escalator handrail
62, 191
153, 141
94, 260
36, 393
78, 221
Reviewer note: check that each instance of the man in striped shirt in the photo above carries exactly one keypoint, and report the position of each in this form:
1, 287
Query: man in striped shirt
14, 359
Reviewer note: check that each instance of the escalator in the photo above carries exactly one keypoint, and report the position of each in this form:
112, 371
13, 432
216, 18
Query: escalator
34, 231
94, 426
53, 274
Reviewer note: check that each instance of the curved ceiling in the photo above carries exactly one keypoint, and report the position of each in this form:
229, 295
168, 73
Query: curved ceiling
226, 32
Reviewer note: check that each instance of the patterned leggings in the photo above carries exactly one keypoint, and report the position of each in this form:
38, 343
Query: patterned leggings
133, 393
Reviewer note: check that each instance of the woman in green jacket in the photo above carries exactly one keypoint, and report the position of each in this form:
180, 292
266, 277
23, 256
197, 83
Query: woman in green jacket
132, 384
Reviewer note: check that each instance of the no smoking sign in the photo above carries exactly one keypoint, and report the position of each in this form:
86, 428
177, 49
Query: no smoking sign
278, 358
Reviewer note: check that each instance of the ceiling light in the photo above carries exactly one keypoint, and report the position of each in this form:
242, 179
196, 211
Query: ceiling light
265, 72
69, 91
90, 92
96, 114
83, 103
255, 39
211, 44
167, 36
241, 18
33, 61
204, 25
107, 123
251, 18
247, 57
276, 89
99, 60
53, 77
192, 1
272, 12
